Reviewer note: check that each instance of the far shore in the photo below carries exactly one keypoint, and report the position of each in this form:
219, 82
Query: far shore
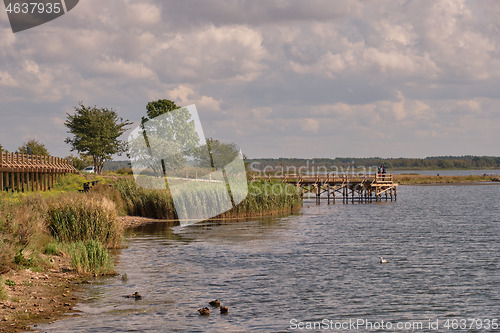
443, 180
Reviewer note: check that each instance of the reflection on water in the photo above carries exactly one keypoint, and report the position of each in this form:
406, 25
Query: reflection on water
441, 241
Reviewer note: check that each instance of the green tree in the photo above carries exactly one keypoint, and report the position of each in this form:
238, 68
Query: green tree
33, 147
95, 133
1, 148
221, 154
170, 135
159, 107
80, 162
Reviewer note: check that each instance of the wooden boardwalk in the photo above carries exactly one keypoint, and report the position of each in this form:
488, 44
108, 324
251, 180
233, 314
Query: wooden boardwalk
22, 172
345, 187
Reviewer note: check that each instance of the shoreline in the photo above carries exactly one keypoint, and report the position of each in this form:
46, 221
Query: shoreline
485, 183
445, 180
39, 297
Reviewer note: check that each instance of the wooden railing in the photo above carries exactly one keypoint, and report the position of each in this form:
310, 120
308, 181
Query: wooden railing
20, 172
328, 178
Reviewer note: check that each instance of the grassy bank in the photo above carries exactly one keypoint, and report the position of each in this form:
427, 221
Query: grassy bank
63, 221
34, 228
426, 179
263, 199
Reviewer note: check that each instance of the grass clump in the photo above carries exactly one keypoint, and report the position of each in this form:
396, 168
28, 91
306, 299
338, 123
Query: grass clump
10, 283
90, 257
22, 261
70, 183
53, 249
3, 293
84, 217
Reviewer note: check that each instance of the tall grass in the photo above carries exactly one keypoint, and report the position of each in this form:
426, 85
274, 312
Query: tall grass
22, 231
157, 204
263, 199
3, 293
90, 257
83, 217
35, 225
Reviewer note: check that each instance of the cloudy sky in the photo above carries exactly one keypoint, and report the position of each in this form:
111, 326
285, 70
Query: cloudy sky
317, 78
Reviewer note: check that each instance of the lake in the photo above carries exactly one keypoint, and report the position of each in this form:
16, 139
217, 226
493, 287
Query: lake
318, 269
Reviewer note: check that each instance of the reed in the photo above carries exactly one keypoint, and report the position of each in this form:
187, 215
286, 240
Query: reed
83, 217
157, 204
90, 257
263, 198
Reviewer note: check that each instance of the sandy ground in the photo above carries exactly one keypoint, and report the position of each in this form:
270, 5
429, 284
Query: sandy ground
134, 221
38, 297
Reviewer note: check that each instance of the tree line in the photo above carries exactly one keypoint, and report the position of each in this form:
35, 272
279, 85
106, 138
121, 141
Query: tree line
430, 163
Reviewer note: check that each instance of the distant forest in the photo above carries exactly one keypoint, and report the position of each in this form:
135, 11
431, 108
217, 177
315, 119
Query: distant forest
430, 163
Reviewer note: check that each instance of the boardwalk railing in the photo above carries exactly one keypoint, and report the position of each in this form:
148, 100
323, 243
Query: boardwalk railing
289, 178
357, 187
23, 172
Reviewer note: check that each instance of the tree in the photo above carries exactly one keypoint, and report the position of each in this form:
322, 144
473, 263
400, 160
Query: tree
221, 154
1, 148
33, 147
159, 107
80, 162
96, 132
170, 135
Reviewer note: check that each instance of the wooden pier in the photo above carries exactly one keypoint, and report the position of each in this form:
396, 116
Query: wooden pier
345, 187
23, 172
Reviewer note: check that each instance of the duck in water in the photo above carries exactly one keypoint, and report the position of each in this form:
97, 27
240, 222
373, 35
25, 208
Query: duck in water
215, 303
135, 295
204, 311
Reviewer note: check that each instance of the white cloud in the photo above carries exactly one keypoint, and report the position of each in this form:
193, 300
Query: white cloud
397, 71
185, 95
7, 80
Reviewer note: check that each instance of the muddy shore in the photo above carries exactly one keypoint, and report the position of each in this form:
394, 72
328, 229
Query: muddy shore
38, 297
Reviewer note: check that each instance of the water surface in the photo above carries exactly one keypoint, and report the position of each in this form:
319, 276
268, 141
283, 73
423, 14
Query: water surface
441, 243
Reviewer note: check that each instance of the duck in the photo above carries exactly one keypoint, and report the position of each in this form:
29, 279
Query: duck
224, 310
215, 303
204, 311
135, 295
383, 261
